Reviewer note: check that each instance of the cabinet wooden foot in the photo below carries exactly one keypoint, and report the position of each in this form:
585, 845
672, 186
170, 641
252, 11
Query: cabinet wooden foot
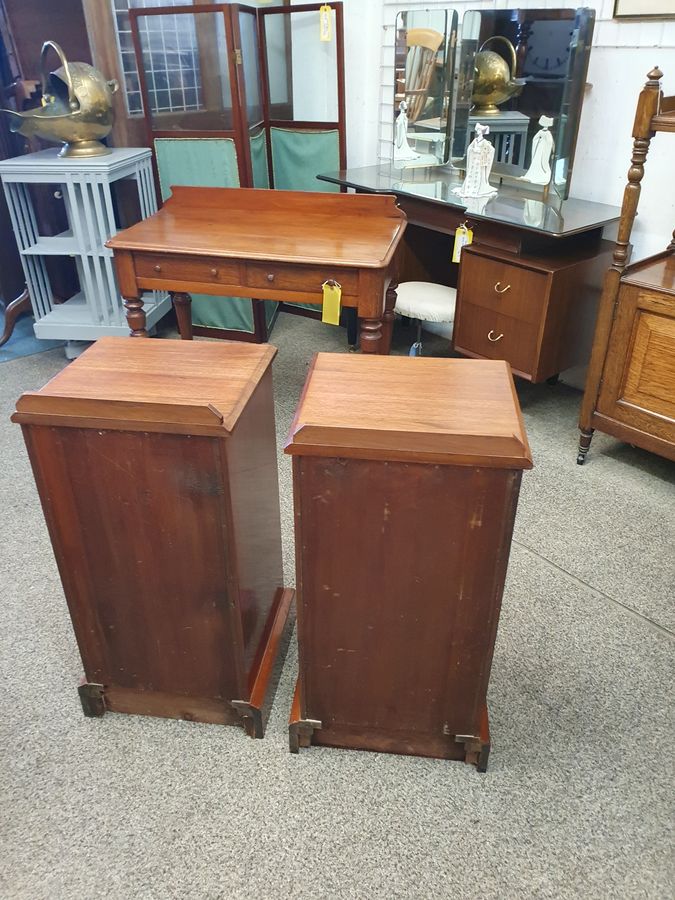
585, 438
135, 316
477, 747
299, 730
182, 303
255, 711
12, 312
91, 698
553, 380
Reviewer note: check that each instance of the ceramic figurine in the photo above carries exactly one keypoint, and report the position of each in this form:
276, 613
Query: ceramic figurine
480, 155
542, 150
403, 152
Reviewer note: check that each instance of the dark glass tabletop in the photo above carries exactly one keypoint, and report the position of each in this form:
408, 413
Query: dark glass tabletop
512, 206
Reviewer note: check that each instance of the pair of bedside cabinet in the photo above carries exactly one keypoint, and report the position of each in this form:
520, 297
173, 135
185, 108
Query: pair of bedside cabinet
156, 466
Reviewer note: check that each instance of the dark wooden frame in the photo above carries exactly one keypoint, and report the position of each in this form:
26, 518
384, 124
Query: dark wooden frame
339, 125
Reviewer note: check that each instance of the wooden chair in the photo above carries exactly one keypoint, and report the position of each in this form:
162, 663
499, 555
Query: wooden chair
423, 44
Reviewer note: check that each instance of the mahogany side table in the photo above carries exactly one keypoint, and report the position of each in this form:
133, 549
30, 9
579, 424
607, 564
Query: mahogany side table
411, 469
267, 245
156, 466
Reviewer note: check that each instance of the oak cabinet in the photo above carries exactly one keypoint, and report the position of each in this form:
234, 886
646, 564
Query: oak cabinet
630, 386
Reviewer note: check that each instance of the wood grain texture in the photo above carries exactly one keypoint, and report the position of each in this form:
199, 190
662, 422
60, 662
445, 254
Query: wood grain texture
173, 384
155, 463
456, 411
544, 306
395, 648
267, 245
631, 379
283, 226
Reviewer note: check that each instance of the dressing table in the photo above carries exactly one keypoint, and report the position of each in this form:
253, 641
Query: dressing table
529, 285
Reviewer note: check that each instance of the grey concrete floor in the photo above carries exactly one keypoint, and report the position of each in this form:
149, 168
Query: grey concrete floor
578, 798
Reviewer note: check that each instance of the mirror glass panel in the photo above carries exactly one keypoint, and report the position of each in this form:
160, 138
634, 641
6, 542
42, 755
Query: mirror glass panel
184, 70
424, 63
302, 70
519, 71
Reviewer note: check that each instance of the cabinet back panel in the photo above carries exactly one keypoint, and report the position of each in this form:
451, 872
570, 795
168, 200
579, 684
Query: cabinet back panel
137, 523
401, 570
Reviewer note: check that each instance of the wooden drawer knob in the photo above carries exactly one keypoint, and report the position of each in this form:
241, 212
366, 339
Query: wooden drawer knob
502, 290
157, 268
497, 337
270, 277
214, 272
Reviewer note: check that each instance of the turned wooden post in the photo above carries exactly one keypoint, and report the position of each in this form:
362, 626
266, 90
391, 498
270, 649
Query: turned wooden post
647, 108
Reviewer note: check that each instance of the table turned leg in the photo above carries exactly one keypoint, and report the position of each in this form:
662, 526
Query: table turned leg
182, 303
12, 313
388, 319
135, 316
585, 438
370, 335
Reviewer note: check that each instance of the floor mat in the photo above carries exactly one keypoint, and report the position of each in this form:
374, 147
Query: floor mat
23, 341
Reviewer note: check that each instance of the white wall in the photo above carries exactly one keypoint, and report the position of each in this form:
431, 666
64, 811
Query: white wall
623, 52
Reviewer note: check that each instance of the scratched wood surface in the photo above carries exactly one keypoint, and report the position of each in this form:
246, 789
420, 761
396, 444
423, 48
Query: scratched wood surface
402, 544
461, 411
166, 530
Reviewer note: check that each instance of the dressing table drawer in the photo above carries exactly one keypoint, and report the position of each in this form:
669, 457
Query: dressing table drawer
482, 332
216, 270
298, 278
503, 287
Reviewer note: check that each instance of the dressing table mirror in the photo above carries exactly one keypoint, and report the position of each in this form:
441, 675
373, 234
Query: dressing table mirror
526, 83
424, 64
519, 71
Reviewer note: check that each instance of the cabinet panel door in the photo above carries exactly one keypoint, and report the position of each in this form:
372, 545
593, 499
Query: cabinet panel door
639, 379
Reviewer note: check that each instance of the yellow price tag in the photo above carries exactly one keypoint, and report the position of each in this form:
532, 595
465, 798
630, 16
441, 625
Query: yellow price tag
332, 294
463, 236
325, 23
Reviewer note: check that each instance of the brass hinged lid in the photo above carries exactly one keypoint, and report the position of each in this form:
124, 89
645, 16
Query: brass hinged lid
142, 384
449, 411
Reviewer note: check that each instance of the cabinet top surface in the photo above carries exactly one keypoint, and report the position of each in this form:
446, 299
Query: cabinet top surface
452, 411
284, 226
436, 185
657, 273
134, 381
48, 161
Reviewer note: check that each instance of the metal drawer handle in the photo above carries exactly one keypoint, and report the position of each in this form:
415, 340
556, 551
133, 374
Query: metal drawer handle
157, 268
494, 339
214, 271
502, 290
270, 277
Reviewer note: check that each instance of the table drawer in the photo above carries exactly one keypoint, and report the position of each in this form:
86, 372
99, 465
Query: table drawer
503, 287
274, 276
206, 269
495, 336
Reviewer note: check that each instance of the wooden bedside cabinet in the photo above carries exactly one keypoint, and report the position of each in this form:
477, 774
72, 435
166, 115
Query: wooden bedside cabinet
537, 311
406, 475
156, 466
